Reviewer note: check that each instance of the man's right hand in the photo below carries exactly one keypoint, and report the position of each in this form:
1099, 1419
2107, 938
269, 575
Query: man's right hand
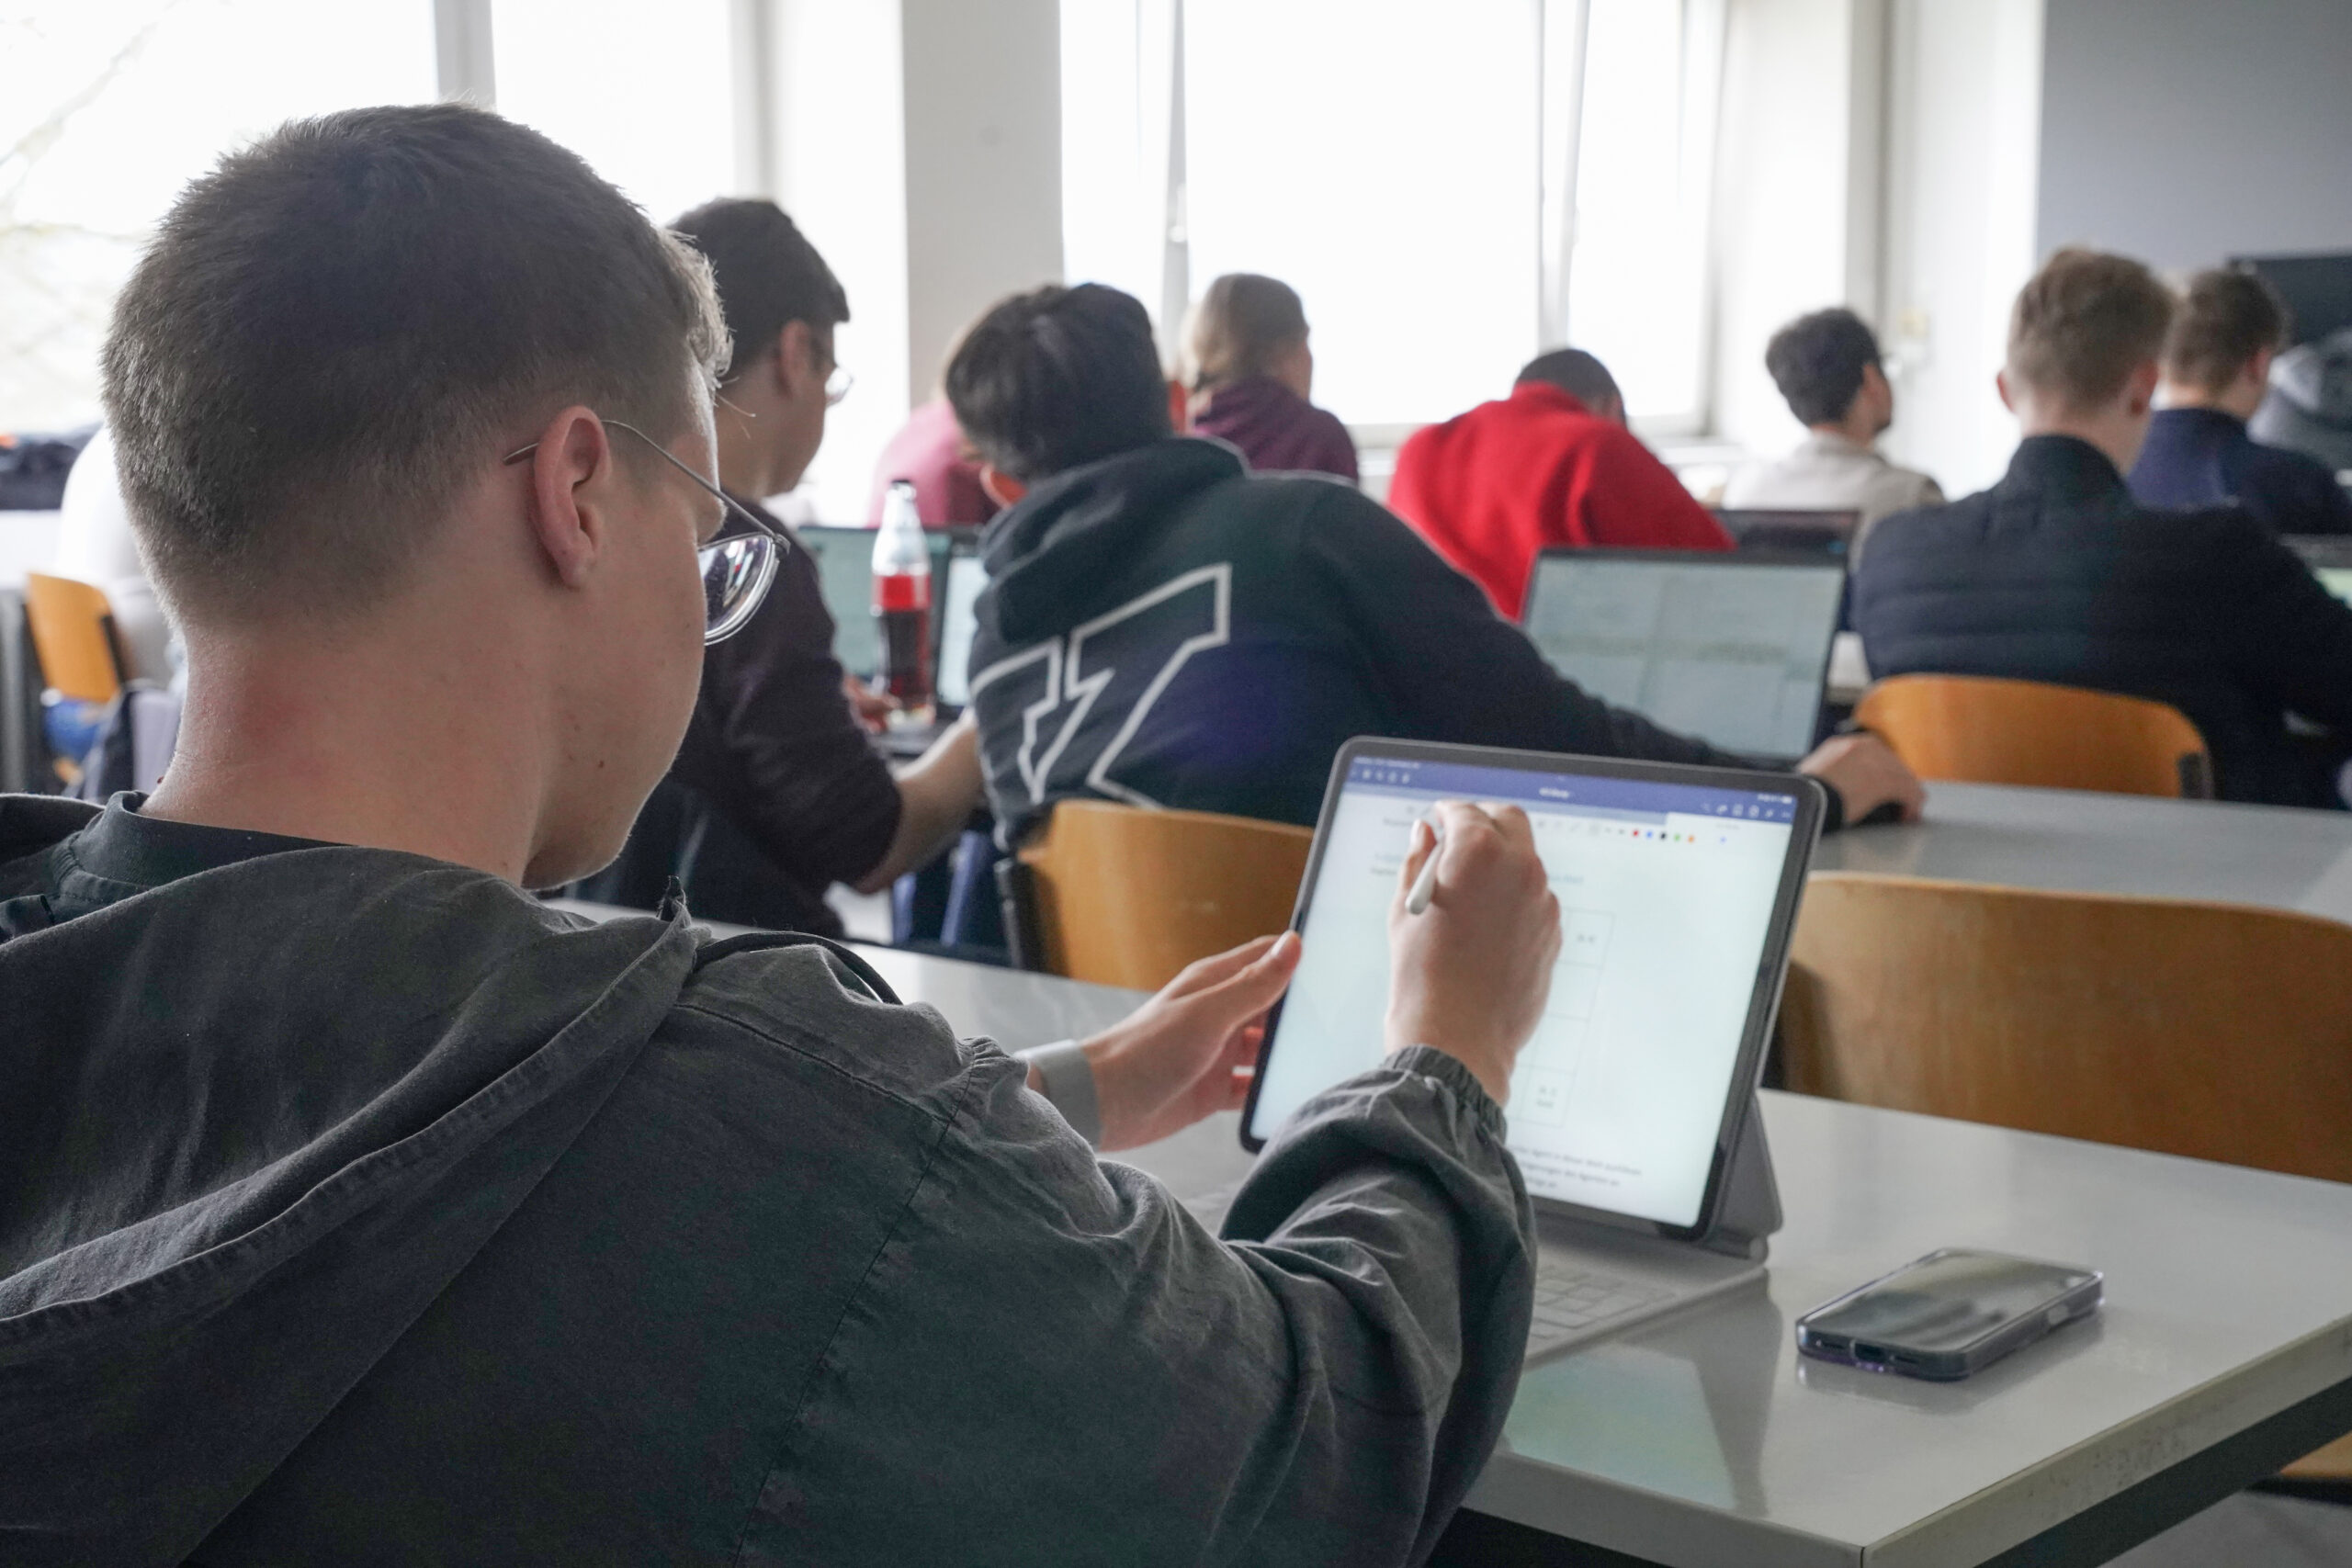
1469, 976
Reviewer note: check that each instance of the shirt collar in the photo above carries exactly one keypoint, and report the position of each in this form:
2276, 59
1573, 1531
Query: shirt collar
2066, 465
123, 851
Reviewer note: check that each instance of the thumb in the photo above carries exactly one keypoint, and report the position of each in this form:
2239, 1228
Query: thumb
1252, 989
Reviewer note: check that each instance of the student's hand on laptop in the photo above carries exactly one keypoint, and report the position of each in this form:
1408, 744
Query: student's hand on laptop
1470, 974
1866, 774
1187, 1052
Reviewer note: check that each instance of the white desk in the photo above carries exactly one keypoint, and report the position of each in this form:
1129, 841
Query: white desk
2076, 841
2225, 1350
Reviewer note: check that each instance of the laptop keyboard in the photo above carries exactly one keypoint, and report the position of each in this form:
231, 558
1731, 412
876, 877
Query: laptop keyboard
1570, 1299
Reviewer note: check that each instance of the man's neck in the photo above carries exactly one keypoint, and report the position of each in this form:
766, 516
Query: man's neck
746, 466
1852, 431
358, 735
2223, 402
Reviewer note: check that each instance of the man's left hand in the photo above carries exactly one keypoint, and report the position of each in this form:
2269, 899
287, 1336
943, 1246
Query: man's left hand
1188, 1051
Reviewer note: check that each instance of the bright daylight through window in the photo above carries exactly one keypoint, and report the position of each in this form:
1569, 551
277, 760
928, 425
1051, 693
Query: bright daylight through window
1387, 166
106, 110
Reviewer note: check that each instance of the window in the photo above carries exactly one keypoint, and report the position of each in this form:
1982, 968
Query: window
1383, 164
1637, 257
106, 111
643, 93
1400, 163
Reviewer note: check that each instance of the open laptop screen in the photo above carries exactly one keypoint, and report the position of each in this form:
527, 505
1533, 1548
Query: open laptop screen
1731, 648
1674, 902
845, 560
957, 624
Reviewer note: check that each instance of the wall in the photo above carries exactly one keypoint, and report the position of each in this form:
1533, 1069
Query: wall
2184, 132
919, 144
984, 188
1962, 139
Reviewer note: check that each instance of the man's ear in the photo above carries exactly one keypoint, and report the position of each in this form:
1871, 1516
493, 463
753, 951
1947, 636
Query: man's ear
2140, 392
1002, 488
795, 357
2259, 366
570, 477
1179, 407
2008, 394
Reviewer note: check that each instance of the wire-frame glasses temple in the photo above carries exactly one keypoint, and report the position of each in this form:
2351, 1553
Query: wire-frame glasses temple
735, 509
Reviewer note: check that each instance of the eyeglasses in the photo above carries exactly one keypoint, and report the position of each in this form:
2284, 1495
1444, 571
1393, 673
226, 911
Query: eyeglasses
837, 386
737, 569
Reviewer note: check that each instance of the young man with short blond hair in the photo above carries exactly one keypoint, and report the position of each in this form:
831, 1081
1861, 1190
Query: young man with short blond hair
2056, 574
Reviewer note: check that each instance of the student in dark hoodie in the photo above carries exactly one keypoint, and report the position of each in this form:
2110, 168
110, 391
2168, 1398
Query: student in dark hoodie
357, 1208
1163, 628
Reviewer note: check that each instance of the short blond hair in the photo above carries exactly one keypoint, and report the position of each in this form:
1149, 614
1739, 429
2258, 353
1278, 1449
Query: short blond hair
2084, 323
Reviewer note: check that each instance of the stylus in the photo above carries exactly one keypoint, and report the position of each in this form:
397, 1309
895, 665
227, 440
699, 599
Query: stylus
1425, 885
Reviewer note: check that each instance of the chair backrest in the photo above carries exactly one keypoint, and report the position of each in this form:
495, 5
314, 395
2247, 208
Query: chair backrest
1978, 729
1126, 897
73, 637
2213, 1031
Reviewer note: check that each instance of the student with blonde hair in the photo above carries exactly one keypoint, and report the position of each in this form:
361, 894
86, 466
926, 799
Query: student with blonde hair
1250, 373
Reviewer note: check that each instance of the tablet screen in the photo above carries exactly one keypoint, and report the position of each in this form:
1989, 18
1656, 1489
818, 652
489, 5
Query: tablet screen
1666, 895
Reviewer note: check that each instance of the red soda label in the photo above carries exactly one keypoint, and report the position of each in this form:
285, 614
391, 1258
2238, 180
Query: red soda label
910, 592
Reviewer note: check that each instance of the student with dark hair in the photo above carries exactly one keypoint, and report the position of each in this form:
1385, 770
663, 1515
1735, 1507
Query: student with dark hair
1827, 365
1552, 463
1250, 374
2217, 358
2058, 574
1162, 628
776, 793
362, 1208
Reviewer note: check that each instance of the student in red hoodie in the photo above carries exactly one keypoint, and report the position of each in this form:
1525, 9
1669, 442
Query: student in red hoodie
1552, 463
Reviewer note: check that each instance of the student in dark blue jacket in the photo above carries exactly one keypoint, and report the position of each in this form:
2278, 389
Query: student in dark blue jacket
2216, 368
1164, 628
2057, 574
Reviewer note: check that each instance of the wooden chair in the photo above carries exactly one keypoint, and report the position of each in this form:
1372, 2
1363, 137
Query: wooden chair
1124, 897
2213, 1031
1976, 729
74, 637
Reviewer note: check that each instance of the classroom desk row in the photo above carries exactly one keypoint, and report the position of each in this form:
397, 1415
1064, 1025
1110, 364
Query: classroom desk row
2224, 1351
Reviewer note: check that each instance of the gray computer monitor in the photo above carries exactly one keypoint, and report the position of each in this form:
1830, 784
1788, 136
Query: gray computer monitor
1731, 648
845, 558
958, 621
1778, 529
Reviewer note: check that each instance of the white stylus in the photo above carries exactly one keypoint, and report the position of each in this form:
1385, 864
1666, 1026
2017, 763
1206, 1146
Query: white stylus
1425, 885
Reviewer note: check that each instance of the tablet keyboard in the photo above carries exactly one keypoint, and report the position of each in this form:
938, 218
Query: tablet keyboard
1570, 1299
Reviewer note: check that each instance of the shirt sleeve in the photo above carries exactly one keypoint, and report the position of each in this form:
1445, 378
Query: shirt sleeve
1449, 665
1630, 498
774, 745
1087, 1364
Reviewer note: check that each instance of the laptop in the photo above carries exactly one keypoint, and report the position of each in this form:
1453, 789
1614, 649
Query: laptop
1733, 649
845, 560
2330, 557
1678, 891
1815, 532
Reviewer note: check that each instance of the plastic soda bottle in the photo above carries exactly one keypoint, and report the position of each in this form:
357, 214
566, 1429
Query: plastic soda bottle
902, 603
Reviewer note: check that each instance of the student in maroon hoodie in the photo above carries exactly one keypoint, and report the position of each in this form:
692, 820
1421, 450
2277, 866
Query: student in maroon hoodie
1552, 463
1252, 374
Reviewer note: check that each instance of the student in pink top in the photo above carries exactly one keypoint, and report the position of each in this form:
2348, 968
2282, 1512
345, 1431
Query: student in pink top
929, 452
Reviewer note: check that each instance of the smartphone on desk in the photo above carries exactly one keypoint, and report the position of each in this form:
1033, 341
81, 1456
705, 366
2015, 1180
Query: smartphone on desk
1951, 1314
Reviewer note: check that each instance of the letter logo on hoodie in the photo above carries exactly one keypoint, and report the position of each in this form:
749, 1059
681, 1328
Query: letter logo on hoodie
1102, 678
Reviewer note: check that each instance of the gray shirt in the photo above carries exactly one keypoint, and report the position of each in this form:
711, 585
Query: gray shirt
1825, 472
378, 1213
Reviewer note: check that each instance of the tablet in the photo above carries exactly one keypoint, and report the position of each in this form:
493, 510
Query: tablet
1678, 891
